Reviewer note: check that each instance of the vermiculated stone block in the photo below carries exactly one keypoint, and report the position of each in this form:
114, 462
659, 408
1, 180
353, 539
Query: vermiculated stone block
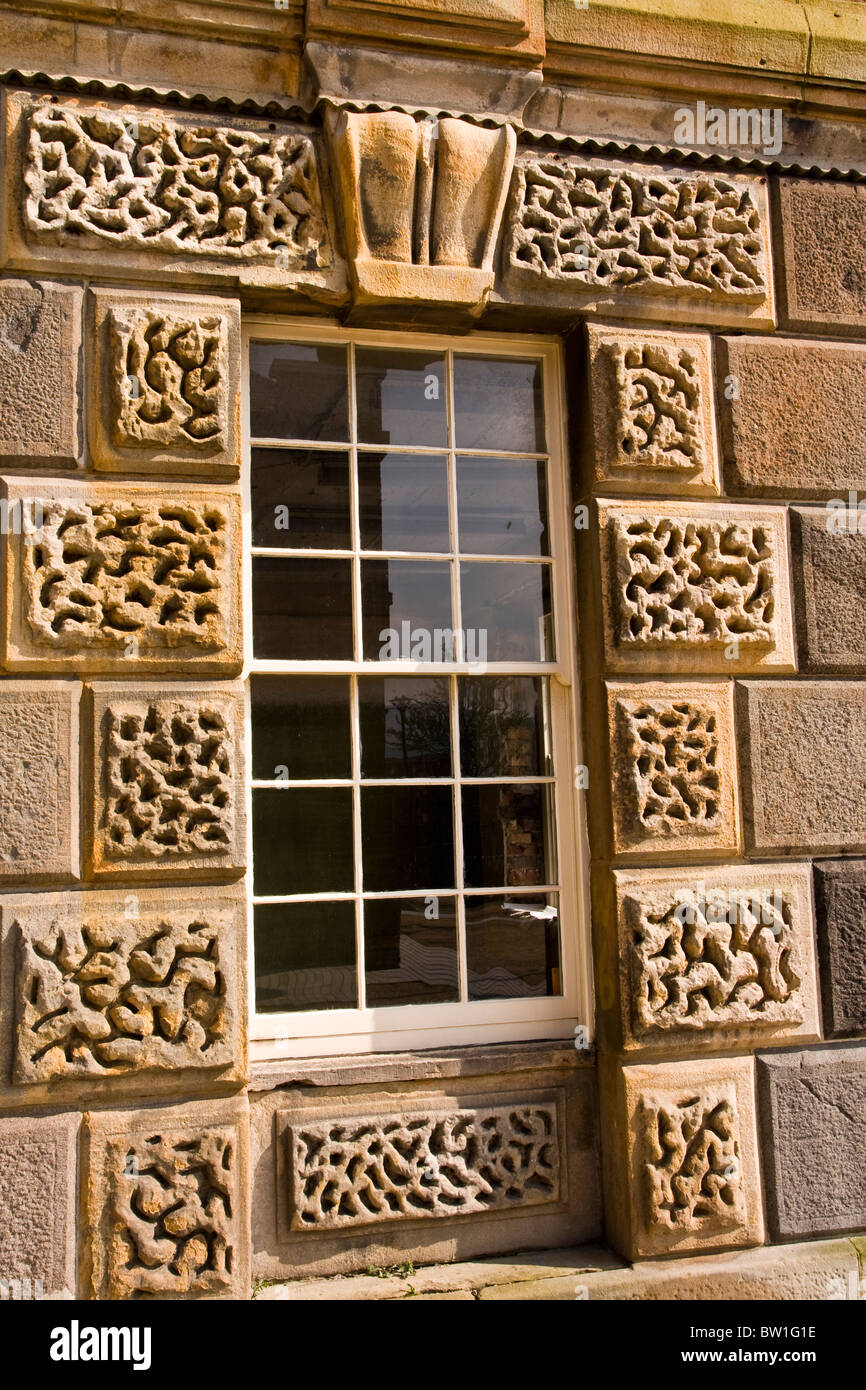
803, 764
823, 254
38, 1198
812, 1107
840, 910
40, 339
828, 560
39, 779
792, 416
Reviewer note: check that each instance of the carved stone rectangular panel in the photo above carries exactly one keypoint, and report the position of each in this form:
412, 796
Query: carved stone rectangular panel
167, 1201
840, 911
165, 384
689, 1165
40, 342
650, 241
168, 779
652, 411
673, 767
108, 984
354, 1171
695, 587
120, 577
38, 1200
157, 193
828, 559
714, 957
39, 779
822, 287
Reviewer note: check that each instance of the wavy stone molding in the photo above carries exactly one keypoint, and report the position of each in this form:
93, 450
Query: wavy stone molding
422, 206
185, 195
695, 588
581, 232
123, 578
109, 985
674, 768
714, 955
353, 1172
652, 411
168, 779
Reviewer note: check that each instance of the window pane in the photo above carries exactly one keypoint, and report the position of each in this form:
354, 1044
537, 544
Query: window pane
401, 397
501, 726
403, 501
299, 391
410, 953
405, 728
502, 506
305, 956
300, 724
300, 498
510, 607
407, 610
408, 838
504, 840
302, 841
302, 609
512, 947
498, 404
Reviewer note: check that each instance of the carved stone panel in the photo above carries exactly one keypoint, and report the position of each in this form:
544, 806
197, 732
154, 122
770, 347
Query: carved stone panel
652, 411
166, 384
168, 779
712, 956
111, 984
351, 1172
115, 576
673, 764
695, 588
583, 233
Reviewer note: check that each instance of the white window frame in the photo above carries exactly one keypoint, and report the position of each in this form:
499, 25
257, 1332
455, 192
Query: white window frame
419, 1027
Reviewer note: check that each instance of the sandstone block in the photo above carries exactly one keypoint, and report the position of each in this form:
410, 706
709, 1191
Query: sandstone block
822, 276
39, 779
167, 1202
120, 577
38, 1199
716, 957
695, 587
792, 416
828, 559
165, 384
40, 341
803, 764
652, 411
115, 985
840, 910
687, 1159
673, 765
168, 779
813, 1140
511, 28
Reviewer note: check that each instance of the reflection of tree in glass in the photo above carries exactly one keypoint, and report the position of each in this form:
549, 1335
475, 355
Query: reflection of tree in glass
499, 726
418, 731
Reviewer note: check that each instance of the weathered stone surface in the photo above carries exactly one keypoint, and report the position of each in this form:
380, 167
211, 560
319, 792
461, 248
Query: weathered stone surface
122, 575
828, 559
652, 411
823, 255
182, 195
512, 28
840, 912
673, 765
39, 779
792, 416
690, 1155
38, 1198
803, 764
695, 587
40, 340
168, 785
167, 1204
584, 233
166, 384
109, 984
354, 1171
813, 1139
716, 957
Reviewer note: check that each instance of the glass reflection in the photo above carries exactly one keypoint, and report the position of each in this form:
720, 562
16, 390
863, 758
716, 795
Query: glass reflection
405, 727
410, 950
512, 947
305, 956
